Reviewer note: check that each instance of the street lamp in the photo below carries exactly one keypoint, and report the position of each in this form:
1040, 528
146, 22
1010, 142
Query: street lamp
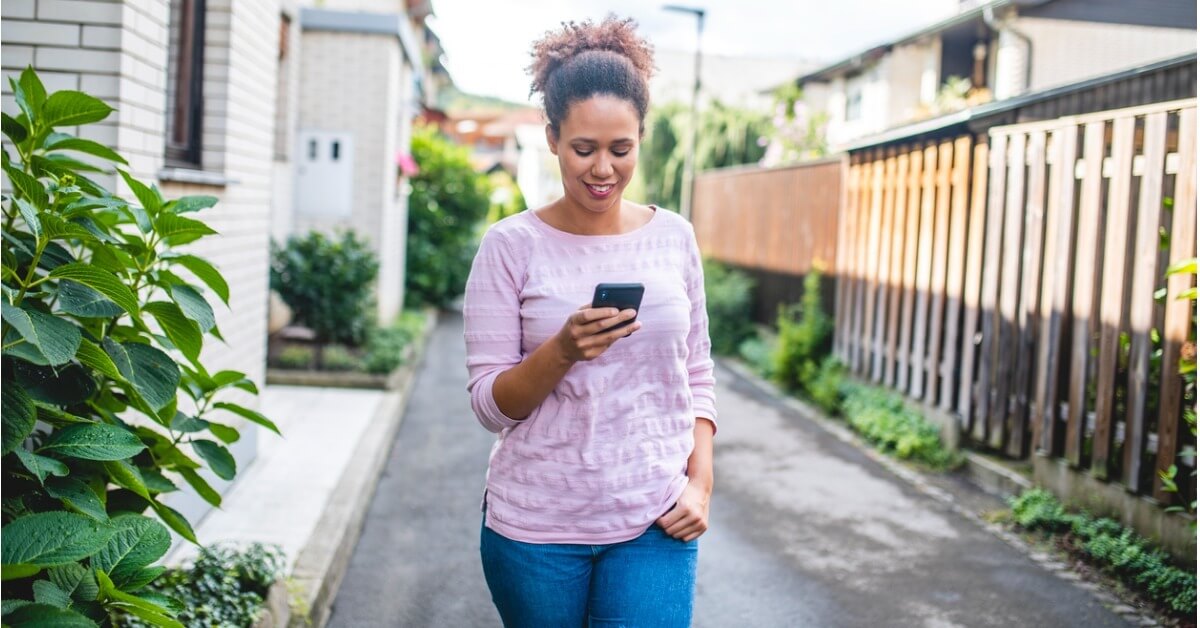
689, 158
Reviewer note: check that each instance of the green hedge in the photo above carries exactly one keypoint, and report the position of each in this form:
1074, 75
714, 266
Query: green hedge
728, 292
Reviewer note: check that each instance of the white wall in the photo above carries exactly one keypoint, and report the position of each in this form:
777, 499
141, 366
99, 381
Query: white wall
1067, 51
351, 84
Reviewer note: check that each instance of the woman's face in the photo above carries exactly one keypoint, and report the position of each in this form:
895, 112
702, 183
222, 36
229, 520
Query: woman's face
597, 149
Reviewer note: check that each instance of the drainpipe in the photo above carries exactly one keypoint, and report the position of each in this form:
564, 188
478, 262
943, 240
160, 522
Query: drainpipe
989, 18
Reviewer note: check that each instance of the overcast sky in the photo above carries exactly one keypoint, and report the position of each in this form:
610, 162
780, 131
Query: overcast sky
487, 41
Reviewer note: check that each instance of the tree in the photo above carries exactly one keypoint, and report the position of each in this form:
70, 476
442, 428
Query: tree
448, 202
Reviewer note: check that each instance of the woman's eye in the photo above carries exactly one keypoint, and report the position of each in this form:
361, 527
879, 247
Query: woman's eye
620, 153
582, 153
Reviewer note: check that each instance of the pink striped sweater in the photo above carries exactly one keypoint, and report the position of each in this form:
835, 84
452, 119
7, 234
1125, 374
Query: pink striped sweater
606, 453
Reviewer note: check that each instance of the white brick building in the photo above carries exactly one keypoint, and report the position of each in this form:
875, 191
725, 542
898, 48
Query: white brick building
209, 96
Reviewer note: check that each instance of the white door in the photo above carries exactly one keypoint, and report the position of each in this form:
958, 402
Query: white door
324, 173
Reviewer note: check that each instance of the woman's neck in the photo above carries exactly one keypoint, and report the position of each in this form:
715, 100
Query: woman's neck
566, 216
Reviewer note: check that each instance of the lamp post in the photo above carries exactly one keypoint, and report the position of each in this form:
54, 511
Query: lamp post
689, 157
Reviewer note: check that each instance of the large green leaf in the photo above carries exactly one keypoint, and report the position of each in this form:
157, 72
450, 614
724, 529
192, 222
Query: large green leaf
47, 616
55, 338
194, 306
253, 416
177, 230
17, 572
48, 539
29, 187
46, 592
157, 482
62, 141
76, 580
148, 197
80, 300
153, 373
203, 271
30, 214
71, 108
174, 520
14, 129
58, 229
183, 332
59, 386
134, 605
19, 415
41, 466
78, 496
141, 578
217, 457
127, 476
138, 541
227, 434
102, 281
202, 487
33, 92
90, 354
188, 204
97, 441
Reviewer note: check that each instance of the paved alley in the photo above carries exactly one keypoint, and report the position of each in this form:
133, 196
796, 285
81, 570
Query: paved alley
805, 530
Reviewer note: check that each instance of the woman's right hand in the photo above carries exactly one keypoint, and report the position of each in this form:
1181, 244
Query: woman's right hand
584, 338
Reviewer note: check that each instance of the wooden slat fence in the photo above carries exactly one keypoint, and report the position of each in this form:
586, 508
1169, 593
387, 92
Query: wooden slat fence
1011, 279
775, 219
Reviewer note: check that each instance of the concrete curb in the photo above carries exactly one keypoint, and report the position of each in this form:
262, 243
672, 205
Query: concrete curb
977, 466
323, 560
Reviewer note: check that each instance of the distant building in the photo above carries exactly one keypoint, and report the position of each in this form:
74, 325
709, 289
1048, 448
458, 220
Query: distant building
743, 81
993, 50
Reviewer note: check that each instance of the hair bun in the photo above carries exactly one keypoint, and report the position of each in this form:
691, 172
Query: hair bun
613, 34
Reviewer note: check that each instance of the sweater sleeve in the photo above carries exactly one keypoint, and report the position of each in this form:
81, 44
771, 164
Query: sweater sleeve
699, 360
492, 327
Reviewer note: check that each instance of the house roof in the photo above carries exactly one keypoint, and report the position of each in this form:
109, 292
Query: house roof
994, 108
860, 58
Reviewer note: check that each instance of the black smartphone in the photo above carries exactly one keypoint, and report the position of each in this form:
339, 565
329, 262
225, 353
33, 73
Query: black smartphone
622, 296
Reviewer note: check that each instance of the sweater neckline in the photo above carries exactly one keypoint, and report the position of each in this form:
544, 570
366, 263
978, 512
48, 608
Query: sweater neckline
567, 235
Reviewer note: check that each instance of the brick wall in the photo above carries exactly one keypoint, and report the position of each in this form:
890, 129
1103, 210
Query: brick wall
351, 84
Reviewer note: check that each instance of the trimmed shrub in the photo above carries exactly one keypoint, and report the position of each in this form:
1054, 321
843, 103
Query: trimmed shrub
727, 292
327, 282
805, 338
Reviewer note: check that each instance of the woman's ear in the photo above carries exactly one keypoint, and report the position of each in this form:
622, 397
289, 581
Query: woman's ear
551, 140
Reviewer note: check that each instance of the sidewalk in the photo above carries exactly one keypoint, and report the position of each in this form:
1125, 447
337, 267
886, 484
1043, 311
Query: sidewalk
280, 497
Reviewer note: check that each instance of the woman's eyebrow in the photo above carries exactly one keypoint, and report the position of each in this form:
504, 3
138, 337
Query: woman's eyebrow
590, 141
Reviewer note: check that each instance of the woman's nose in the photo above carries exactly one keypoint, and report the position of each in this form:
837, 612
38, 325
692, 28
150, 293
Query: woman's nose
602, 168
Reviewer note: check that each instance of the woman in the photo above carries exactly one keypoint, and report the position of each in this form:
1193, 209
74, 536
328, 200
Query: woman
598, 485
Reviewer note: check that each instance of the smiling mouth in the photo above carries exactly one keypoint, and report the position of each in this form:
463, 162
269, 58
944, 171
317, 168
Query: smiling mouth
600, 190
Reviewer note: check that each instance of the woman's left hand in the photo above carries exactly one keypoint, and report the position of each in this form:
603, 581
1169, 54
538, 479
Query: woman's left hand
689, 518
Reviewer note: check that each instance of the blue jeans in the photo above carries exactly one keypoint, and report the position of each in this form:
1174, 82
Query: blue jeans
646, 582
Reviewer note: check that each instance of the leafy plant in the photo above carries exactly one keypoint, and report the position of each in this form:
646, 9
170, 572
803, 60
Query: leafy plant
805, 338
449, 201
757, 351
295, 357
882, 417
1187, 371
340, 358
726, 136
386, 345
826, 388
797, 134
101, 331
327, 282
225, 586
728, 292
1112, 546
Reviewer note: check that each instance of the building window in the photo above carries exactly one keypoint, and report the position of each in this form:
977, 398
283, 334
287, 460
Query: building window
854, 95
185, 77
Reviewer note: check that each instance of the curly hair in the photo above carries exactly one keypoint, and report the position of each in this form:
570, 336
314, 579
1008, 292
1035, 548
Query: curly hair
581, 60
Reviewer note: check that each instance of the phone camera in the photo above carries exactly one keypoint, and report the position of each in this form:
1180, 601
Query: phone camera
604, 295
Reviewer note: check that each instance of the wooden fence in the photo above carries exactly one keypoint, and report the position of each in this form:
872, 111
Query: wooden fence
782, 220
1011, 279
